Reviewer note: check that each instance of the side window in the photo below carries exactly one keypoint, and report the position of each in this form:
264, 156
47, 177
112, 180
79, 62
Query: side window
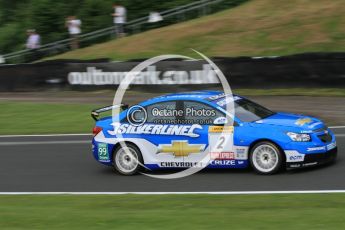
161, 113
199, 113
177, 112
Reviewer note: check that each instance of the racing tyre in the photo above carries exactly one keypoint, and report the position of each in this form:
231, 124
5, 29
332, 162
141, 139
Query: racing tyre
127, 160
266, 158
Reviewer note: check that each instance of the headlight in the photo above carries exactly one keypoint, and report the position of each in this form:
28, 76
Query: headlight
301, 137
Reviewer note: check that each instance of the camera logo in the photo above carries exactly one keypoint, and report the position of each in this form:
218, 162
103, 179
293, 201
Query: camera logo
136, 115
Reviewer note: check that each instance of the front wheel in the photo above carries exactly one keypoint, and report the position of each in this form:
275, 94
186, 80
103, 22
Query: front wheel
127, 160
266, 158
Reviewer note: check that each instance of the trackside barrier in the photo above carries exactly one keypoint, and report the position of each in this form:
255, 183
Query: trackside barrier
303, 70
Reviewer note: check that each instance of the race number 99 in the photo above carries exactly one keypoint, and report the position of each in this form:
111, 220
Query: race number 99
103, 154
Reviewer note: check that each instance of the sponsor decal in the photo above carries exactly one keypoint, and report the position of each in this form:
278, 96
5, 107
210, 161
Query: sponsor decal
315, 124
220, 129
180, 148
180, 164
321, 148
216, 97
222, 95
152, 129
103, 154
331, 146
227, 100
223, 156
303, 121
294, 156
223, 162
220, 138
220, 121
200, 164
181, 96
241, 156
307, 131
240, 151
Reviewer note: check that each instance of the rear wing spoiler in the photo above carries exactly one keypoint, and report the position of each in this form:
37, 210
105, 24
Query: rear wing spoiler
96, 112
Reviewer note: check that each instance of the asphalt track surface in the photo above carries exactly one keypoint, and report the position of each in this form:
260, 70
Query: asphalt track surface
65, 164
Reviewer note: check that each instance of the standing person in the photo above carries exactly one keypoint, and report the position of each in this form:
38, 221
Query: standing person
74, 29
119, 16
33, 44
33, 41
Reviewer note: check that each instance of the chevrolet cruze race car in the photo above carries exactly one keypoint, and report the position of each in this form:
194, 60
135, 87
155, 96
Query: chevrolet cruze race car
177, 130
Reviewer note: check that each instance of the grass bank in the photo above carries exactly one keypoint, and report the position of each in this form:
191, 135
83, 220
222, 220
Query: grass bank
255, 28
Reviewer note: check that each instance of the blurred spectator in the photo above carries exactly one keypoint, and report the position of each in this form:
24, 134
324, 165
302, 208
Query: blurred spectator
154, 20
155, 17
74, 29
119, 16
33, 41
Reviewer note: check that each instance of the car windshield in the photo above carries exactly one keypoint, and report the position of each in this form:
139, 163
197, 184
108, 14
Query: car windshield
246, 110
249, 111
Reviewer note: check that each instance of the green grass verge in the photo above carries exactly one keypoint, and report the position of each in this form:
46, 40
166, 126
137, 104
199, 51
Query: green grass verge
307, 211
255, 28
38, 118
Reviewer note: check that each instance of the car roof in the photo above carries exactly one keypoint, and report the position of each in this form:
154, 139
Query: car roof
202, 95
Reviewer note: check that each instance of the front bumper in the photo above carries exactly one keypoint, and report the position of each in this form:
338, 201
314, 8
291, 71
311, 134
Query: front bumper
315, 159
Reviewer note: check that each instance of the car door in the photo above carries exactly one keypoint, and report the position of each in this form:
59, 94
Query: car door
187, 140
215, 134
175, 140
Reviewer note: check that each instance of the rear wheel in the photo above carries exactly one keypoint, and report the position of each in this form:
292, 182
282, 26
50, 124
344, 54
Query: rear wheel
266, 158
127, 160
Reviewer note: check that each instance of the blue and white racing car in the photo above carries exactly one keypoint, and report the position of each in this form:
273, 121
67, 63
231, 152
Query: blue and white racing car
178, 130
